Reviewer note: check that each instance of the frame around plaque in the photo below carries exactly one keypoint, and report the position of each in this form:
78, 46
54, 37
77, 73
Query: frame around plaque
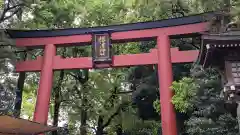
96, 46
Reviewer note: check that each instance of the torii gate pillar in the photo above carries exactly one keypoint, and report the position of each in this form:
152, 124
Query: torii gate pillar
45, 85
168, 116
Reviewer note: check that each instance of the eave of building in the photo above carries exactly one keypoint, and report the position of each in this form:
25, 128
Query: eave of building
220, 37
221, 41
223, 45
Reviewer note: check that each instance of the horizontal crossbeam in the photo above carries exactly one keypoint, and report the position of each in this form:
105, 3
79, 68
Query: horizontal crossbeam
118, 60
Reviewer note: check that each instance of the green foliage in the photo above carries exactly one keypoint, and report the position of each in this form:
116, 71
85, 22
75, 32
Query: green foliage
209, 115
7, 78
144, 128
198, 96
7, 99
28, 101
224, 125
132, 125
236, 10
157, 106
184, 91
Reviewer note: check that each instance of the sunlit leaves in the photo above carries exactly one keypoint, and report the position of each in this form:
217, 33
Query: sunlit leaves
157, 106
7, 100
28, 101
184, 91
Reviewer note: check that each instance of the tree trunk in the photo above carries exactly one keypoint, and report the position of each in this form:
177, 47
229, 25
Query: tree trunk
83, 127
100, 125
57, 104
56, 112
99, 131
83, 111
20, 85
238, 116
19, 91
57, 101
119, 124
84, 105
119, 129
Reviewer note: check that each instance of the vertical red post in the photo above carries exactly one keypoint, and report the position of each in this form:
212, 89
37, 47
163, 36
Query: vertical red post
45, 85
168, 116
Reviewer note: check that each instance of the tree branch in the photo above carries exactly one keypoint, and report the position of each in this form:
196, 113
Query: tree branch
68, 101
3, 15
125, 92
82, 77
74, 76
8, 5
192, 43
112, 116
7, 17
115, 114
18, 5
7, 8
59, 83
91, 127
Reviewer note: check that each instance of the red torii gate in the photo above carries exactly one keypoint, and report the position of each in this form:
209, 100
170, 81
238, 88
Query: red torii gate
164, 56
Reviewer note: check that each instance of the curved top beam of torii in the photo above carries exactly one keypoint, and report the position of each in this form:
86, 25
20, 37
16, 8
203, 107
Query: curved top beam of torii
183, 26
140, 30
193, 19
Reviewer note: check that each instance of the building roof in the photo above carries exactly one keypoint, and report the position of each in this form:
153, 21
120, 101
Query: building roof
213, 44
17, 126
112, 28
